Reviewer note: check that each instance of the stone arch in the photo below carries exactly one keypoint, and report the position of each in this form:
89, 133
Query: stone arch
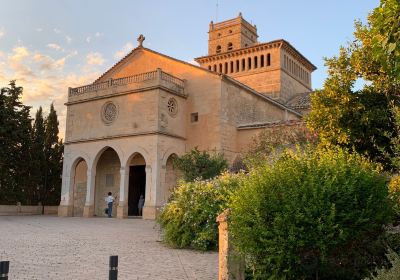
106, 167
171, 177
137, 182
78, 181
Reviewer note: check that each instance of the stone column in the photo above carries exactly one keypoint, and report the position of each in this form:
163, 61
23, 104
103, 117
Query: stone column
149, 209
231, 265
122, 210
88, 210
66, 204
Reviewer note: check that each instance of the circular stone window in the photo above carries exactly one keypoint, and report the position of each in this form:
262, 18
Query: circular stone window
172, 107
109, 112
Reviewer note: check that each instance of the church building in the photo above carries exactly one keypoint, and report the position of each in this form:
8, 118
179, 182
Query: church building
125, 128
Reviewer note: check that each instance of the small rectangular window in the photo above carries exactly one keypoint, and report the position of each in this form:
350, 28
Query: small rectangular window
249, 63
194, 117
255, 62
243, 64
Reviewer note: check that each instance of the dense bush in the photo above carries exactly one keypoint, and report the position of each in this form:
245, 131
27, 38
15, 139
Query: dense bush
394, 194
200, 165
311, 215
389, 274
189, 218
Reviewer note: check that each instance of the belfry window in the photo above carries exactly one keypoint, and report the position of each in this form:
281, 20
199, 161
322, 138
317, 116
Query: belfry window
230, 46
218, 49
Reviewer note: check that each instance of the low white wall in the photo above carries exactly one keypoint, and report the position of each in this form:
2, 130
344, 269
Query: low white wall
27, 210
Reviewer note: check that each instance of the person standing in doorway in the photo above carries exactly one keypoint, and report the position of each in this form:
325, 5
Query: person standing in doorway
140, 205
110, 200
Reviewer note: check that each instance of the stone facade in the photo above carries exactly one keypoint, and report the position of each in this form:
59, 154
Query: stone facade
124, 129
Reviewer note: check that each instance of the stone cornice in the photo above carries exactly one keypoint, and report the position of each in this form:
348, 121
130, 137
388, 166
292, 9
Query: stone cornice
145, 133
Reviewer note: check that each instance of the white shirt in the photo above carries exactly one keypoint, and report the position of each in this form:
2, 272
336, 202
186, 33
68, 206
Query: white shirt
109, 199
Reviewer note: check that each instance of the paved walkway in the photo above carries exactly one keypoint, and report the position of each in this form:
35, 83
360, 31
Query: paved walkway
45, 247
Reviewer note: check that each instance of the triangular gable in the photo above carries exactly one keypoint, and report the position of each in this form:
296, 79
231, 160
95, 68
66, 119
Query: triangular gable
148, 66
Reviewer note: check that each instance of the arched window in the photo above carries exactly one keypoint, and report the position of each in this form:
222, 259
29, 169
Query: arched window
209, 67
230, 46
262, 61
249, 63
218, 49
215, 68
243, 64
255, 62
226, 68
269, 59
220, 68
231, 67
237, 65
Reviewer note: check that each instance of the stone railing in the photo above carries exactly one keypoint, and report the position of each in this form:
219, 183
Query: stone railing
157, 77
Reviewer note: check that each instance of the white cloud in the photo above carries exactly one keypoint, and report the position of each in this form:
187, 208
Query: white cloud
58, 31
54, 46
94, 58
2, 31
68, 39
88, 39
98, 34
125, 49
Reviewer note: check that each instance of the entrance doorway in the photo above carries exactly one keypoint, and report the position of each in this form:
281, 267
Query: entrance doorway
137, 187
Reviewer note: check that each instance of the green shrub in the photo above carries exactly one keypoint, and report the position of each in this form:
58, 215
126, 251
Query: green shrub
394, 194
311, 215
200, 165
389, 274
189, 218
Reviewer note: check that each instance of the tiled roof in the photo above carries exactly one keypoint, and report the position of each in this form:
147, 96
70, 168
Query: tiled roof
300, 101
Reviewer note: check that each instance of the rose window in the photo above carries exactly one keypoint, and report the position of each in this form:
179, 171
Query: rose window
109, 112
172, 107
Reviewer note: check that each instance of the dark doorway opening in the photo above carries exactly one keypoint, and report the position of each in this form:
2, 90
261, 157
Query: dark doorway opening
137, 187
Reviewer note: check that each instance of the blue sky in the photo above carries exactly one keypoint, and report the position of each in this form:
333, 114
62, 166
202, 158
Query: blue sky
50, 45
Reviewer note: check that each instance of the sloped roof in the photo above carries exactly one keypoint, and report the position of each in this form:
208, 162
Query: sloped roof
300, 101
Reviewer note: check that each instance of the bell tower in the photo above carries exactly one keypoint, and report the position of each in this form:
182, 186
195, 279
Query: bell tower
231, 35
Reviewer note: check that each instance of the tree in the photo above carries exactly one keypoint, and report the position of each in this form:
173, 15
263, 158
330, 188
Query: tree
200, 165
365, 119
53, 153
15, 130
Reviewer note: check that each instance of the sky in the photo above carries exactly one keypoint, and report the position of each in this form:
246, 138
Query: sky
48, 45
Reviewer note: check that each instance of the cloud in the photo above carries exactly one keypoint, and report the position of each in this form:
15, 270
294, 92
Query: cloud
98, 34
19, 53
88, 39
94, 58
39, 29
57, 31
54, 46
125, 49
44, 78
2, 31
68, 39
45, 62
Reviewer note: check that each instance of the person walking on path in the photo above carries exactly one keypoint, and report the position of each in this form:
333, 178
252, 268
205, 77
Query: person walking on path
110, 200
140, 204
